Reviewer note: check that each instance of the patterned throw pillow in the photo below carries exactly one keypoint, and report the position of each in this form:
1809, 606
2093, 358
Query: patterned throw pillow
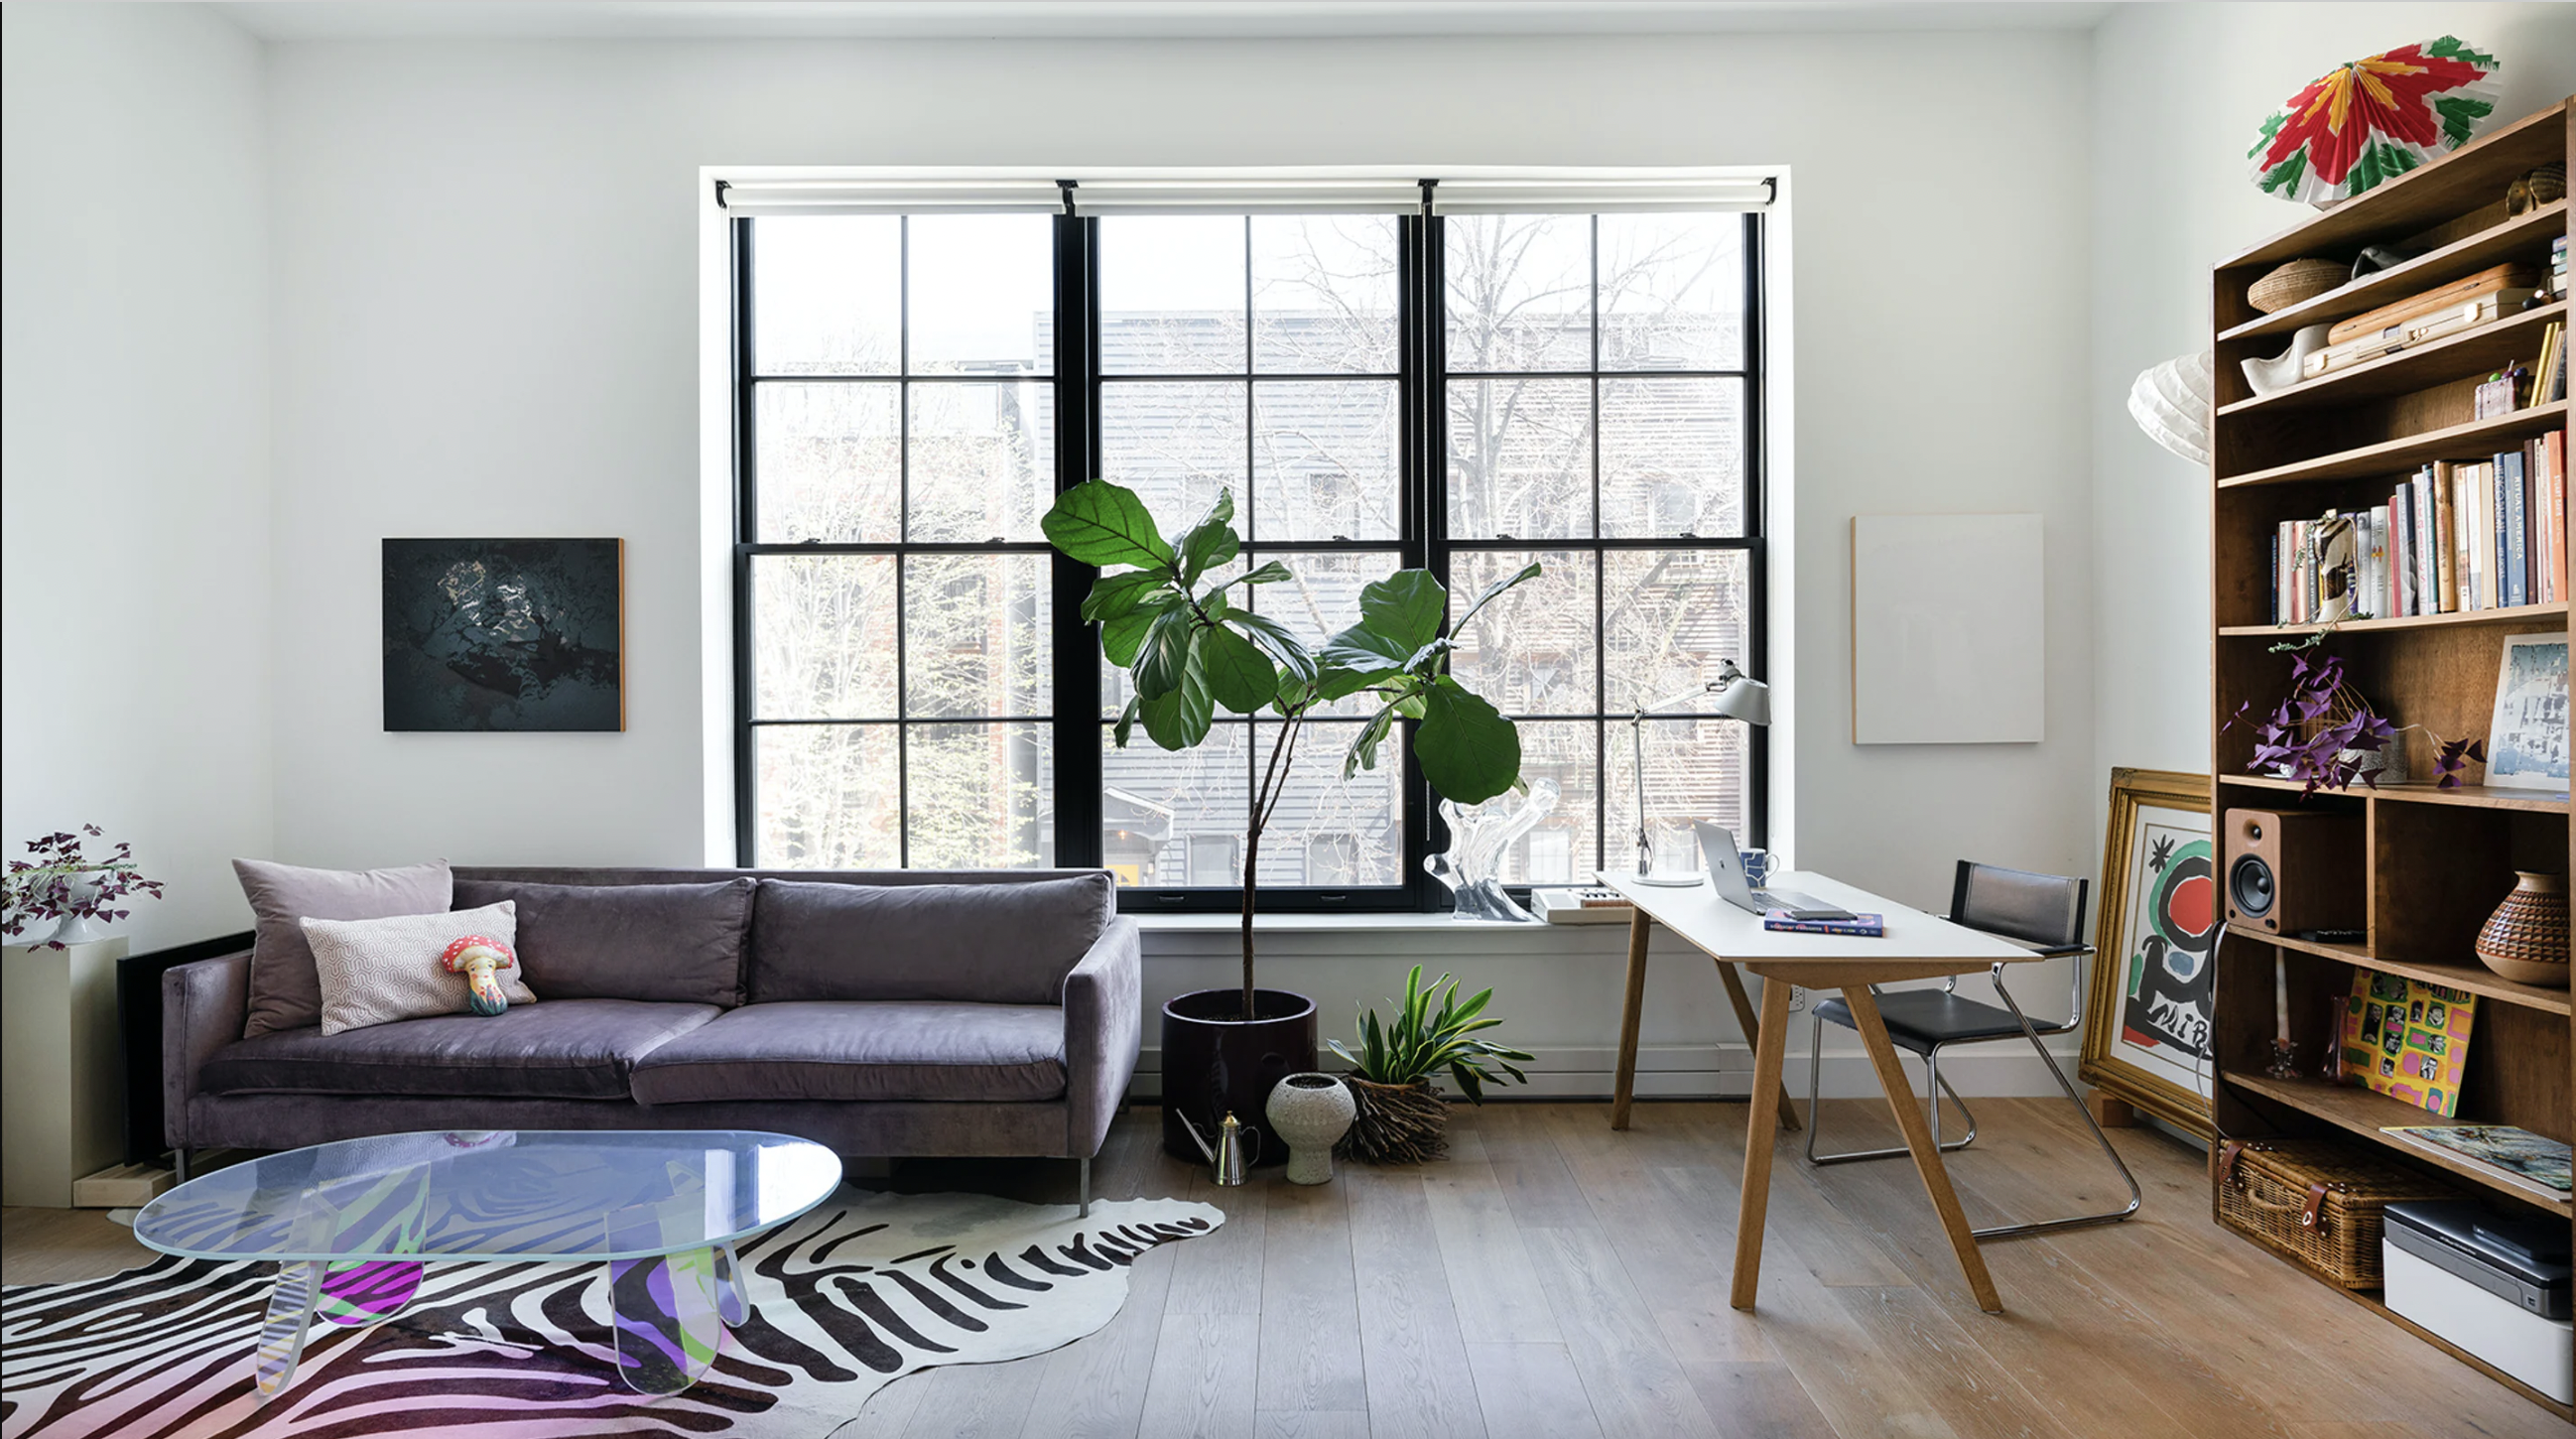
375, 971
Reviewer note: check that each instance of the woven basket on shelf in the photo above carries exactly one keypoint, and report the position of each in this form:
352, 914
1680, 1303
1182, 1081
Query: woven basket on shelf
2298, 280
2315, 1201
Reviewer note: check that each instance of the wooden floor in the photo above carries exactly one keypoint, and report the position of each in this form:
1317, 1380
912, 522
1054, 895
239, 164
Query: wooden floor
1553, 1279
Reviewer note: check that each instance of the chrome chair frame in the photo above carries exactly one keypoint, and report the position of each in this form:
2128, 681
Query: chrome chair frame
1937, 1086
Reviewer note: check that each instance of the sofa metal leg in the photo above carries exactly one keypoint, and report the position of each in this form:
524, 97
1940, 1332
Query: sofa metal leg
1086, 1188
179, 1164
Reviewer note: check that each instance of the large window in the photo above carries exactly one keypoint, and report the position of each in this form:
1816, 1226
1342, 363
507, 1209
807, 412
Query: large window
1463, 391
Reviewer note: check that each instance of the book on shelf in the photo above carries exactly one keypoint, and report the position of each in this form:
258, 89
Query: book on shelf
1864, 926
2533, 1161
2407, 1039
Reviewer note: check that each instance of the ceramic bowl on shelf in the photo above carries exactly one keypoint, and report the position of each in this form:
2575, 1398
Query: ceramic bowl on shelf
2525, 940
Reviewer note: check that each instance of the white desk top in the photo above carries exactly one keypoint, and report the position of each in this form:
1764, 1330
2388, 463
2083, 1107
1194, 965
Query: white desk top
1700, 917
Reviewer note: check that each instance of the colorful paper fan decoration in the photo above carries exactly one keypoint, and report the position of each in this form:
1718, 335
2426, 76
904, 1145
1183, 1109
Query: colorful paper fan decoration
2374, 120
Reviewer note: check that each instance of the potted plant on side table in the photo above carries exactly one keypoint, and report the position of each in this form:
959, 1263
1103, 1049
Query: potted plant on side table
1190, 649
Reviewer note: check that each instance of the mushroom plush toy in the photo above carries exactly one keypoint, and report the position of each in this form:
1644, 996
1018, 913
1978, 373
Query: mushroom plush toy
481, 960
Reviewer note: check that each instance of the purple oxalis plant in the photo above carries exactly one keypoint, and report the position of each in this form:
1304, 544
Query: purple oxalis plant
58, 882
2305, 740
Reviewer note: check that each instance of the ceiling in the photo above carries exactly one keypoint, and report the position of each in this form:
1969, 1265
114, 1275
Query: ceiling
1119, 19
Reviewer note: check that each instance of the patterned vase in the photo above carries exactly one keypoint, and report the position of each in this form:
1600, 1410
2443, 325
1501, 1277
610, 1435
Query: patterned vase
2525, 940
1310, 1112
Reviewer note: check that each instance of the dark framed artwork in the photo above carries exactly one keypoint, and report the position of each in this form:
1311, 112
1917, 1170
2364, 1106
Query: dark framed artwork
516, 634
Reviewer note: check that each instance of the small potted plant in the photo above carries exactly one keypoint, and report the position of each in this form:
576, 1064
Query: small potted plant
59, 883
2325, 735
1402, 1119
1191, 648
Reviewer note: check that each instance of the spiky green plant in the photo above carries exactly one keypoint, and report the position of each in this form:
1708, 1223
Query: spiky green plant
1419, 1043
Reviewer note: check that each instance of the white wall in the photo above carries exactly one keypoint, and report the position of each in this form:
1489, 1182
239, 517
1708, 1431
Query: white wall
2179, 91
134, 489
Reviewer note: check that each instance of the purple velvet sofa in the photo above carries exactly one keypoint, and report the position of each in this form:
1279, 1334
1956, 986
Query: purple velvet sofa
885, 1014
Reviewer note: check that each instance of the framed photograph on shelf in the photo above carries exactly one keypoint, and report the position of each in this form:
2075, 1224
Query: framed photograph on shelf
2527, 739
2147, 1013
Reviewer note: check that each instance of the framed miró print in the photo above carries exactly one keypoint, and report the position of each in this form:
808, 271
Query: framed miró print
2147, 1017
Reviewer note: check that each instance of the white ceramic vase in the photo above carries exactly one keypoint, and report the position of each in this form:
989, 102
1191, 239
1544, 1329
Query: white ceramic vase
2287, 368
78, 928
1310, 1113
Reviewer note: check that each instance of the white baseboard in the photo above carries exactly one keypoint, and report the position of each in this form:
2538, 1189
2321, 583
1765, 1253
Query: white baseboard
1723, 1072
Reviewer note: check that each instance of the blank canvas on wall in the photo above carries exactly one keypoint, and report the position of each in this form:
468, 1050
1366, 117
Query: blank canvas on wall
1949, 630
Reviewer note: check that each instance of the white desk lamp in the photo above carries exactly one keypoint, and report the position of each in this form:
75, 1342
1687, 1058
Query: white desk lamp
1739, 696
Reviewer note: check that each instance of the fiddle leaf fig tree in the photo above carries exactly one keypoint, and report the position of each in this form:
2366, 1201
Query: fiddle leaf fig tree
1191, 647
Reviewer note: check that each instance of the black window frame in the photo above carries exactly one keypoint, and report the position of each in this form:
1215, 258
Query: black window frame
1422, 477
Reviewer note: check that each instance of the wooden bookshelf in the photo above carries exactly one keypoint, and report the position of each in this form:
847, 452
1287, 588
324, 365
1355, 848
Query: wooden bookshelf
2435, 862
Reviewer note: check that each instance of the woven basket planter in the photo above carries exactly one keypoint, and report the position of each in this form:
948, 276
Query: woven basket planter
2298, 280
1396, 1123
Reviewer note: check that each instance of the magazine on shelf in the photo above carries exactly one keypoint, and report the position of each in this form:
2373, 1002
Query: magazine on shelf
2533, 1161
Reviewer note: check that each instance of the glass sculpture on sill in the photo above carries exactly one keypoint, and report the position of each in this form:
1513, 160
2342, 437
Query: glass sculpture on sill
1478, 837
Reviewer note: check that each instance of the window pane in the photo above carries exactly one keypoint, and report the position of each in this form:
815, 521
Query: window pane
1174, 819
1322, 600
1532, 650
826, 295
828, 463
1172, 295
1520, 291
1324, 460
983, 294
980, 796
823, 636
983, 461
1695, 769
1672, 458
1323, 293
1520, 459
1326, 831
1672, 292
1671, 618
1176, 445
1562, 848
829, 796
975, 636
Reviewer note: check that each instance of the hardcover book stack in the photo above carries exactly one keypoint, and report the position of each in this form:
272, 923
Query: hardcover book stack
2458, 535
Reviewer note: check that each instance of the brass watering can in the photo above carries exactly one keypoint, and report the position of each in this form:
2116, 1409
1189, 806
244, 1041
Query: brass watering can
1229, 1162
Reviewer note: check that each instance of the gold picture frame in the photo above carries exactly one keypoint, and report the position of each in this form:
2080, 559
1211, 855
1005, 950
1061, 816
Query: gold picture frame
2149, 997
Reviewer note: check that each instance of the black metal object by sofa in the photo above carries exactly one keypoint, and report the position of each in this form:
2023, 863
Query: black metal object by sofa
138, 1027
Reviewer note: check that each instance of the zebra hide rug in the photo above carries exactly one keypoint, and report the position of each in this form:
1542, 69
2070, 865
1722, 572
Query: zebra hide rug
862, 1290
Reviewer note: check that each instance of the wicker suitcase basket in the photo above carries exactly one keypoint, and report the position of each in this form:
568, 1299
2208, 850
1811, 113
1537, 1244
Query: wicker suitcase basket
2315, 1201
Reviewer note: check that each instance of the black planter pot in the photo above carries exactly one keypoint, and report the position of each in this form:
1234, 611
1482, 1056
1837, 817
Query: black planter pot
1216, 1065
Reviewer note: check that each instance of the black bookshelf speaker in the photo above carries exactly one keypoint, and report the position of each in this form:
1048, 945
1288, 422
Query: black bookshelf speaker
2292, 870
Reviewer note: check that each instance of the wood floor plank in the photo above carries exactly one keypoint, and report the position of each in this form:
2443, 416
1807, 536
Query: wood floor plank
1419, 1383
1205, 1367
1310, 1318
1492, 1285
1311, 1424
1094, 1388
976, 1401
60, 1246
1531, 1391
1758, 1401
1542, 1192
1220, 1273
1636, 1385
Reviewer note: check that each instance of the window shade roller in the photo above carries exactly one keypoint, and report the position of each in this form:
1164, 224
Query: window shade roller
1147, 196
1608, 195
905, 197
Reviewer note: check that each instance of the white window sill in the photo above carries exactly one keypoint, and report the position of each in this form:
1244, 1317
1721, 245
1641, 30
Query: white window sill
1328, 922
1292, 936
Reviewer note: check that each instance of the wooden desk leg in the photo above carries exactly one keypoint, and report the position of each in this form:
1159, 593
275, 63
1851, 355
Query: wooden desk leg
1770, 1050
1623, 1089
1918, 1138
1744, 1017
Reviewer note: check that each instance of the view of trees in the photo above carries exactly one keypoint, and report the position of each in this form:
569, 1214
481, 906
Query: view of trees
905, 696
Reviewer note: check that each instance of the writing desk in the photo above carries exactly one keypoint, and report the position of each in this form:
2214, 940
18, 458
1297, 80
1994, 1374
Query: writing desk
1916, 946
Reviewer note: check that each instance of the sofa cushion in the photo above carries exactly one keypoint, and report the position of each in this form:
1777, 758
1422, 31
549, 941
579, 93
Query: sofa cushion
375, 971
863, 1050
285, 989
981, 943
673, 943
561, 1049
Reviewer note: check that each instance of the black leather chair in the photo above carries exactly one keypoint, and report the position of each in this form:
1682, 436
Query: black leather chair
2042, 911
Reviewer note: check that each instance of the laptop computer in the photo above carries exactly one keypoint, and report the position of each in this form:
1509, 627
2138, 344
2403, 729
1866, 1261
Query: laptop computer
1726, 876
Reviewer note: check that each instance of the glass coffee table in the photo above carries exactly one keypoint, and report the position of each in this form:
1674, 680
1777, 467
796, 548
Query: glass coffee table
352, 1224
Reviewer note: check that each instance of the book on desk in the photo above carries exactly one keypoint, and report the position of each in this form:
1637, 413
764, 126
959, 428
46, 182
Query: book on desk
1865, 926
